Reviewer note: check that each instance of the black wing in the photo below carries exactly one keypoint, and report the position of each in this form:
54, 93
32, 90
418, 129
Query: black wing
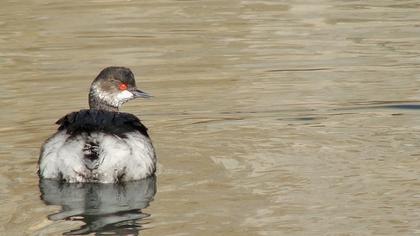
92, 120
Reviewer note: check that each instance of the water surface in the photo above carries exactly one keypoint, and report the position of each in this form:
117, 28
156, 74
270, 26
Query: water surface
269, 117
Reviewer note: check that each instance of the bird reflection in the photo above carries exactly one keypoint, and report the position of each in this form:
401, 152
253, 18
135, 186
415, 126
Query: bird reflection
111, 209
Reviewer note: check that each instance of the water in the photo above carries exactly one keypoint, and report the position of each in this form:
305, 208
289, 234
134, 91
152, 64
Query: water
269, 117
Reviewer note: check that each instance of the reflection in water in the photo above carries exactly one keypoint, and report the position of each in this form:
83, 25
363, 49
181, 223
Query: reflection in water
104, 208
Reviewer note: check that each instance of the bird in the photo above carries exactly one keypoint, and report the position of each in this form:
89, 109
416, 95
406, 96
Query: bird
101, 144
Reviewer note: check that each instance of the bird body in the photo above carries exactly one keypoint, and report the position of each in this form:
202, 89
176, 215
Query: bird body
101, 144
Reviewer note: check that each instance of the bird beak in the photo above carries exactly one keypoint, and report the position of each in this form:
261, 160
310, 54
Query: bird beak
140, 94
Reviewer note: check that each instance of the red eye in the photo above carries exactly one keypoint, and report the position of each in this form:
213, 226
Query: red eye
123, 87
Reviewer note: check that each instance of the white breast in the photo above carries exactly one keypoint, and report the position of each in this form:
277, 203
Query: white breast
130, 158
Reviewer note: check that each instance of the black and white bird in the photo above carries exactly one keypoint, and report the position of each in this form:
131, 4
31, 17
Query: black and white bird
101, 144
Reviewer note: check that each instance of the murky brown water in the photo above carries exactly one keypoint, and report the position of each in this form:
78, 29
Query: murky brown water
269, 117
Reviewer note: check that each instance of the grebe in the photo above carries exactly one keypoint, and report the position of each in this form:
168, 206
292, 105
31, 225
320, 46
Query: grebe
101, 144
